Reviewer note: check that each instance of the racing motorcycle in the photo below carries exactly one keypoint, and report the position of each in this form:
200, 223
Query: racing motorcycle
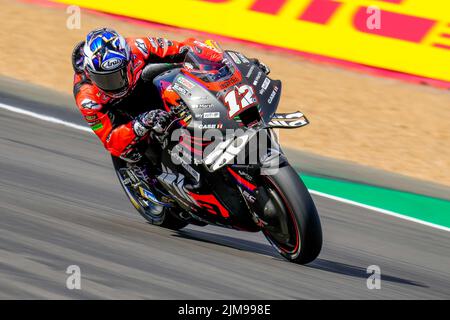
219, 161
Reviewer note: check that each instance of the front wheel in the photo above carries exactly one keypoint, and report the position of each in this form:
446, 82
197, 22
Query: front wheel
295, 230
162, 217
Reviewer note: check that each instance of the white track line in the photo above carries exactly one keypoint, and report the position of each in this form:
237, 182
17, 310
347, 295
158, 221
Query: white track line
386, 212
43, 117
321, 194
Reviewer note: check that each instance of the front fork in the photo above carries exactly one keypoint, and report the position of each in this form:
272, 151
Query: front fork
250, 182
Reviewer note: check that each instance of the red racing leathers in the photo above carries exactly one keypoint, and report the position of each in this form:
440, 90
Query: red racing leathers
112, 119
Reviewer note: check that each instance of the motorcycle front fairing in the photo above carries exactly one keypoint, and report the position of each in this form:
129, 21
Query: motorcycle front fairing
267, 90
234, 96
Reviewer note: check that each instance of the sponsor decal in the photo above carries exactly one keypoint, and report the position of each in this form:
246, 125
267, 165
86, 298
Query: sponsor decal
273, 94
211, 115
235, 57
180, 89
211, 126
248, 185
140, 44
185, 82
111, 63
90, 104
250, 71
233, 80
264, 86
202, 106
258, 76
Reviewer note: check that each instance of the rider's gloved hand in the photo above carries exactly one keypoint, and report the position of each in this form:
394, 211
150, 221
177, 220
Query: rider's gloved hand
202, 50
155, 120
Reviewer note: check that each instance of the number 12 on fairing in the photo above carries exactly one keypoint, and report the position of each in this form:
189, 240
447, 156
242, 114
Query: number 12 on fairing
240, 98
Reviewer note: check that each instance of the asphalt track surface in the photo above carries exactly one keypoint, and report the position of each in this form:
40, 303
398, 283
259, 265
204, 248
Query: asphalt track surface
60, 205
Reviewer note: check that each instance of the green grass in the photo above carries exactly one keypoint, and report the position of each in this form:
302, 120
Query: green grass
421, 207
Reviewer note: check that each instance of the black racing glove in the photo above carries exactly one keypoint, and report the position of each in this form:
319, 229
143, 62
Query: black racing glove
155, 120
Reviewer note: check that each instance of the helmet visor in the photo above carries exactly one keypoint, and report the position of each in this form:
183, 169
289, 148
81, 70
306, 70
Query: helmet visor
112, 81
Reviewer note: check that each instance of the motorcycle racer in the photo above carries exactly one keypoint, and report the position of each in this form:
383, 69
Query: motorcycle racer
116, 103
124, 90
110, 94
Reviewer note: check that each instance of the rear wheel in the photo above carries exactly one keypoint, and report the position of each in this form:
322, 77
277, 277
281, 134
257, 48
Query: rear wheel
294, 227
156, 215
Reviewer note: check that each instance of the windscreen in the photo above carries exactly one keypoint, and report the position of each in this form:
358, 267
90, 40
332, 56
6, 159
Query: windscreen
206, 70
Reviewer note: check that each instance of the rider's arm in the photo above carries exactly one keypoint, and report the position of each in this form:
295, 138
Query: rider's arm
156, 50
117, 139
